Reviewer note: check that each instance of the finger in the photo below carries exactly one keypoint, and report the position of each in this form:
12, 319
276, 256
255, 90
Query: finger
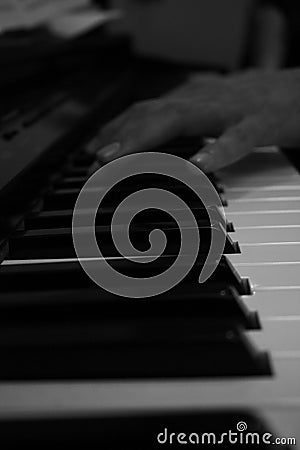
110, 131
233, 145
106, 135
206, 87
162, 121
145, 127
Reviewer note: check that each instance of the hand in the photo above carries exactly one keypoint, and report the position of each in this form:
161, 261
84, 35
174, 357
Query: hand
242, 111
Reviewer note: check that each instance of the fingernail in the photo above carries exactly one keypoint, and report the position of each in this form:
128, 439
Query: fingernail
109, 151
209, 140
203, 161
95, 166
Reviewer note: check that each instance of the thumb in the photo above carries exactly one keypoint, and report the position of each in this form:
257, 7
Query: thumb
234, 144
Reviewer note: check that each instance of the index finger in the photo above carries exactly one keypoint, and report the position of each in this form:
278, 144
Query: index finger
143, 127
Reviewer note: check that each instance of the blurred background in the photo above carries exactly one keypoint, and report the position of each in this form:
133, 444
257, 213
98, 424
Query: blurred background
217, 34
63, 46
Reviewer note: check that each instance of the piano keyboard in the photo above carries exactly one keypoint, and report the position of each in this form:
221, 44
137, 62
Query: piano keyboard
208, 361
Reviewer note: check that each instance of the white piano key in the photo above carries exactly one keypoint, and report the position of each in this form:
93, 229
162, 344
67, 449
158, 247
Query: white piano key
270, 274
263, 199
284, 421
262, 218
249, 235
262, 189
272, 302
255, 193
279, 334
264, 205
267, 252
253, 180
265, 166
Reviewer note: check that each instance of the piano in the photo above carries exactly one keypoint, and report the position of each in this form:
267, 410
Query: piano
81, 368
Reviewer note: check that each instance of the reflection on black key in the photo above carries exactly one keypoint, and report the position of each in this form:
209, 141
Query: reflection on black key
58, 243
66, 198
222, 305
63, 219
77, 182
65, 274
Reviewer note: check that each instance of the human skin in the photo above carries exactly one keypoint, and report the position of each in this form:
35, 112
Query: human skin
241, 111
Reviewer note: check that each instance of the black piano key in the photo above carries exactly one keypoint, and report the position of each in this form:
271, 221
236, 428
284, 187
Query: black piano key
63, 219
61, 199
57, 275
77, 182
224, 305
85, 329
89, 349
66, 198
205, 230
4, 249
98, 297
148, 430
58, 242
